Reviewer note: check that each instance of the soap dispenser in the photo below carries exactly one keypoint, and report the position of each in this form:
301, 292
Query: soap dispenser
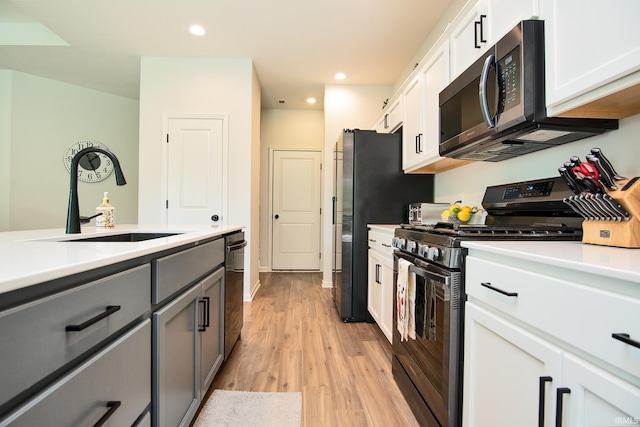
106, 213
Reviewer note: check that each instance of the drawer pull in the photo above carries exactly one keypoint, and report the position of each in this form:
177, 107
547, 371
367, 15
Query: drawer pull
113, 407
626, 339
559, 395
110, 310
542, 398
493, 288
386, 246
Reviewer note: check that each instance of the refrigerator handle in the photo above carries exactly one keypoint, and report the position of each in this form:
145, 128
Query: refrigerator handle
333, 210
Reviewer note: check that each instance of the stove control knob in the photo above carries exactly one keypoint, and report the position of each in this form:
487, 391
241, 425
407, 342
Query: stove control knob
433, 254
398, 242
422, 250
411, 246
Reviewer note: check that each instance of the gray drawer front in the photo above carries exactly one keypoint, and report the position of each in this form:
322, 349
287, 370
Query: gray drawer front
176, 271
35, 336
121, 372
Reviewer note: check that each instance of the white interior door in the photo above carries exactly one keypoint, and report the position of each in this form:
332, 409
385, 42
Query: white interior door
296, 210
196, 170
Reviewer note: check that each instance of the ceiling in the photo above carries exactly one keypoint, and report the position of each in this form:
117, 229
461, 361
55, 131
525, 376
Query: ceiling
296, 45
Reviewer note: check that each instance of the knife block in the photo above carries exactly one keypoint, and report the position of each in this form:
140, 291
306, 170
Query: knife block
624, 234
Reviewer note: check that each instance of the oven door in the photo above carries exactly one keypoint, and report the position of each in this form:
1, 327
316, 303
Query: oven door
433, 359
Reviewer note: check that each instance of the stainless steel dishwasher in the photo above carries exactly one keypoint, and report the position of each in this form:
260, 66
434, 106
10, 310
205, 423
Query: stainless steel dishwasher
234, 289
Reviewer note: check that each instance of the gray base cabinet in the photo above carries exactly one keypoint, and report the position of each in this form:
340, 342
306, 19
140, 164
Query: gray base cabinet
112, 386
137, 343
48, 333
212, 337
188, 346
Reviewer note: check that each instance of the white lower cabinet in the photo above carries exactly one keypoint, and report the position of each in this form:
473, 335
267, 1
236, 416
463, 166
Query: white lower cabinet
596, 398
503, 368
539, 349
380, 280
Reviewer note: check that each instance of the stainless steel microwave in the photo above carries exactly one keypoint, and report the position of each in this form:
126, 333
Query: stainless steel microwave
496, 109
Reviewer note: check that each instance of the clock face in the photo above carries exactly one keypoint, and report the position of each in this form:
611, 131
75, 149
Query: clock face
93, 167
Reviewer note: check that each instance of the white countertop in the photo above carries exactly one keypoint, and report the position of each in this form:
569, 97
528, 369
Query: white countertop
34, 256
618, 263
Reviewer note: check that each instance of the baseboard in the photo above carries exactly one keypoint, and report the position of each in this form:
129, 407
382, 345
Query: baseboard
327, 284
249, 297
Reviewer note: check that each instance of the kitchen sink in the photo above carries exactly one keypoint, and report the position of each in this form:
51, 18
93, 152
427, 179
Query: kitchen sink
125, 237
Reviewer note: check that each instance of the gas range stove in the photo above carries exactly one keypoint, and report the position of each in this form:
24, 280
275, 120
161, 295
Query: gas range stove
531, 210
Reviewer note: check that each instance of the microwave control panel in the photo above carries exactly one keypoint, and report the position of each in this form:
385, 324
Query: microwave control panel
510, 70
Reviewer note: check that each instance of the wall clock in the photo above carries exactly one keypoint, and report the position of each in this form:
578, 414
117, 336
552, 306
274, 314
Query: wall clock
93, 167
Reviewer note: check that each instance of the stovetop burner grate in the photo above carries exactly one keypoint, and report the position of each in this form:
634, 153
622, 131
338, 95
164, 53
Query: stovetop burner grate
534, 231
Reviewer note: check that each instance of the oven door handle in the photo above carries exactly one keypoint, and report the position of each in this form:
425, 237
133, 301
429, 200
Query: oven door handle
429, 274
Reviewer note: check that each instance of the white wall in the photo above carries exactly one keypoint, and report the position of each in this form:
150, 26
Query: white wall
284, 129
46, 117
204, 86
5, 146
345, 107
469, 182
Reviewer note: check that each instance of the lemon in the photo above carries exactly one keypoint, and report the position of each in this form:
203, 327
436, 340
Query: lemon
464, 215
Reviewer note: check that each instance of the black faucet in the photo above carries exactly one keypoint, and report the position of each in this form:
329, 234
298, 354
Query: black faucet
73, 213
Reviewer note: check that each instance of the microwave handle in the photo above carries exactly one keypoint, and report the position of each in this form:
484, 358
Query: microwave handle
482, 91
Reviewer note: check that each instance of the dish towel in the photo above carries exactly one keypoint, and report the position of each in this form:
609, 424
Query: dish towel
402, 299
411, 309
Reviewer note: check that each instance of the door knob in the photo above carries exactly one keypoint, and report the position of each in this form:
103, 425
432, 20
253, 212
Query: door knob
215, 217
277, 216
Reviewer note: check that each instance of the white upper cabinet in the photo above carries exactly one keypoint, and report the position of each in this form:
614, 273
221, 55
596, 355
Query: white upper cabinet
421, 129
503, 15
482, 24
592, 51
469, 37
391, 118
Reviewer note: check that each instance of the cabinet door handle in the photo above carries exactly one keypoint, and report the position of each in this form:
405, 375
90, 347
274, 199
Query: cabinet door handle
542, 398
110, 310
560, 392
377, 273
113, 407
205, 314
625, 338
493, 288
482, 18
476, 25
386, 123
417, 143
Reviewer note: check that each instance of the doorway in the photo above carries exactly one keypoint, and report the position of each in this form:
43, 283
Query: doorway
296, 199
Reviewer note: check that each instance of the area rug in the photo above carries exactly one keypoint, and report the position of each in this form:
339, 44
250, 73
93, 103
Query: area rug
227, 408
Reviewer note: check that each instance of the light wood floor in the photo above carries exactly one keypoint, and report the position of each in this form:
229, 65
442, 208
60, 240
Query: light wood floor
293, 340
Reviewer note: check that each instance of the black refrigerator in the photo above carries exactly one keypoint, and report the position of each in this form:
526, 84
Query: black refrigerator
369, 187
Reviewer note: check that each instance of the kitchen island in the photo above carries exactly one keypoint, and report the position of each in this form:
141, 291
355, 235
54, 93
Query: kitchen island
108, 330
554, 329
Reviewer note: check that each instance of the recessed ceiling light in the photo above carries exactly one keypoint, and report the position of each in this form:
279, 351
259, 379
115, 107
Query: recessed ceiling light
340, 76
197, 30
311, 100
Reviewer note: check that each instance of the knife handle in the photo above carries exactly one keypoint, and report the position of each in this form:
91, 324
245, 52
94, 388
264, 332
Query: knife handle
607, 164
604, 177
569, 180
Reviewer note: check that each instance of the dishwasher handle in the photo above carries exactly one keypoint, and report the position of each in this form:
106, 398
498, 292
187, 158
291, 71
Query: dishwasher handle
237, 246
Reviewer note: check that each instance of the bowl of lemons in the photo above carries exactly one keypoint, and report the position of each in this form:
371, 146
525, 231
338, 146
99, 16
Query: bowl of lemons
458, 213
